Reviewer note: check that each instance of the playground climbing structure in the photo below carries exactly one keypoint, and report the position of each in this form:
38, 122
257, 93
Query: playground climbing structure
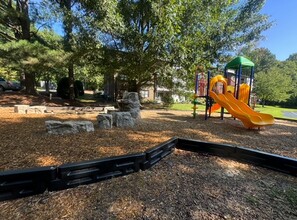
231, 91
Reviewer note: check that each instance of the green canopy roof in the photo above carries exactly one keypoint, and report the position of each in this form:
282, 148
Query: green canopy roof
236, 62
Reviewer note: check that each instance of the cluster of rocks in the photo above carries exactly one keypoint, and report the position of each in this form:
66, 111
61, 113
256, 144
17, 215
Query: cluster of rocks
117, 119
105, 121
128, 113
126, 116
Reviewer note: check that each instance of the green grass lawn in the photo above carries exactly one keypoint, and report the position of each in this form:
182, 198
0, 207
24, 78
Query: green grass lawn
87, 98
275, 111
186, 107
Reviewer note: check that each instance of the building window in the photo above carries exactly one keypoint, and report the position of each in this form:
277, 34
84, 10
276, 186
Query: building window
144, 93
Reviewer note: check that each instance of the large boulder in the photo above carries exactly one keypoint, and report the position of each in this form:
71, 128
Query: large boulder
130, 103
123, 119
68, 127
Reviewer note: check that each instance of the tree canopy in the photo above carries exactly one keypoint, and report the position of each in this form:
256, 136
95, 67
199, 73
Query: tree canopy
273, 85
263, 58
140, 38
137, 39
276, 81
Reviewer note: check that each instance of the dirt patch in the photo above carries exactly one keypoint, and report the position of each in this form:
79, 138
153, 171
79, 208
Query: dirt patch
11, 98
182, 186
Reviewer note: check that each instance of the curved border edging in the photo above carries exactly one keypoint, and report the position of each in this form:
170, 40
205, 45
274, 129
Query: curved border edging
27, 182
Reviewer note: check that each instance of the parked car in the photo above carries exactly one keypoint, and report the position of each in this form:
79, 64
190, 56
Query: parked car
9, 85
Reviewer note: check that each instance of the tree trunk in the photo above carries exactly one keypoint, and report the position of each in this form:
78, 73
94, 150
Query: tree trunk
155, 86
68, 27
24, 18
29, 83
71, 81
23, 8
109, 86
46, 85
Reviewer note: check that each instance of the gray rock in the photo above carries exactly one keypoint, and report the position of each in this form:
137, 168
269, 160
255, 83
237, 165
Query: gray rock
104, 121
68, 127
123, 119
83, 126
135, 113
130, 103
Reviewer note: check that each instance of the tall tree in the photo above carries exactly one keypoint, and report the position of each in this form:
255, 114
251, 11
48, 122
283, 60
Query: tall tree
273, 85
68, 24
262, 57
76, 33
142, 37
292, 57
15, 24
34, 57
289, 69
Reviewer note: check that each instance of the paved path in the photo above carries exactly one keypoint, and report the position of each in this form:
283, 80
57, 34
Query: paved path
290, 114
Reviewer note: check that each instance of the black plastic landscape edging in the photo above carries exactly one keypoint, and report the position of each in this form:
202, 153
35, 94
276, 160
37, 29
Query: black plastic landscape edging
21, 183
272, 161
27, 182
75, 174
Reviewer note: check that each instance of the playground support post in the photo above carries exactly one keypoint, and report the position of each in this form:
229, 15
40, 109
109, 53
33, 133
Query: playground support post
239, 81
207, 104
251, 81
196, 83
235, 84
195, 101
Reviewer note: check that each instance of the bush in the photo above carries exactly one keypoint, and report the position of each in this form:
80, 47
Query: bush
167, 100
78, 88
64, 87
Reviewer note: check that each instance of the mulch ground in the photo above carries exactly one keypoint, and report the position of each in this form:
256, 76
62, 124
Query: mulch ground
182, 186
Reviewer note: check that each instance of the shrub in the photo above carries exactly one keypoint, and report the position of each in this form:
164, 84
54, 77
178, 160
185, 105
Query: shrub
167, 100
64, 87
78, 88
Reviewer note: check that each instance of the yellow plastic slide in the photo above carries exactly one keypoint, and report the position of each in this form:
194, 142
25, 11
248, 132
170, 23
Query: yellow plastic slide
244, 91
239, 109
267, 118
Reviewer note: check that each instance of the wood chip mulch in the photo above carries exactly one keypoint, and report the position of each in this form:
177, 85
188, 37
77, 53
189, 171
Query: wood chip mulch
182, 186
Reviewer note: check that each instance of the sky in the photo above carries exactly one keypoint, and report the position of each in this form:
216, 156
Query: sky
281, 38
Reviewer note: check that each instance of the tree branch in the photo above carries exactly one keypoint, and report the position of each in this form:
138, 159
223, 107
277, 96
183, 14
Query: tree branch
7, 36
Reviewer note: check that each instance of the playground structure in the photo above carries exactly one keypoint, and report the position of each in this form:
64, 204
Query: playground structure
231, 92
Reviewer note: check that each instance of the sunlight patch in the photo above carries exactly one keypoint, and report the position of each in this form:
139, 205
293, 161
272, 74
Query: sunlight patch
47, 161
